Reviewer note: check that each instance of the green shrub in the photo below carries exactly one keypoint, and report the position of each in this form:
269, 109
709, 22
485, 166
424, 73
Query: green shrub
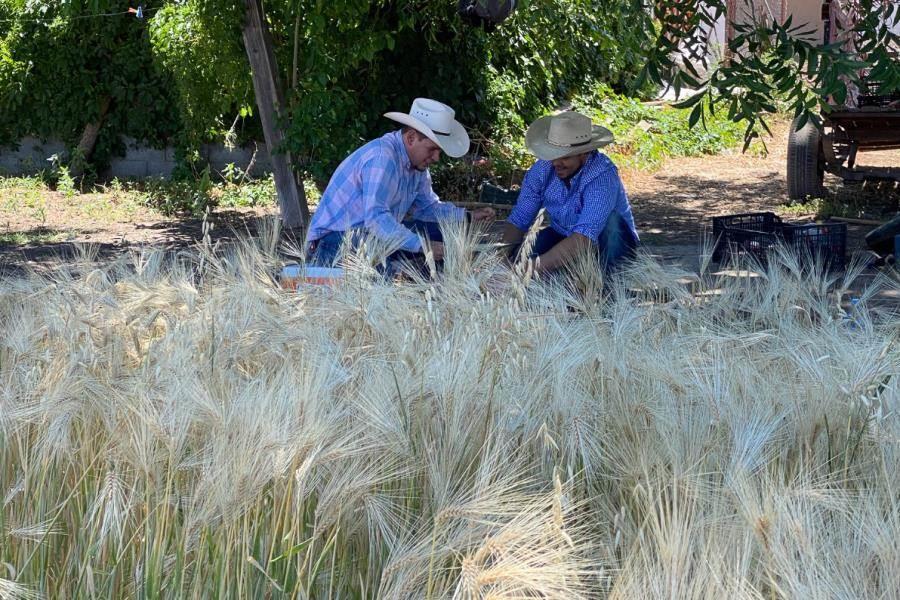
59, 70
648, 134
181, 75
193, 195
246, 195
60, 177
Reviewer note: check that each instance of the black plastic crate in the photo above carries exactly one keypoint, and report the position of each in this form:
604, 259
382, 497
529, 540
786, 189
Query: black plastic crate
496, 195
762, 222
747, 241
756, 234
826, 242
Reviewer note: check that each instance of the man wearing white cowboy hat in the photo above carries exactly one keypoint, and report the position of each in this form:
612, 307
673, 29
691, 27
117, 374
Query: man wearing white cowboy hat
580, 190
375, 187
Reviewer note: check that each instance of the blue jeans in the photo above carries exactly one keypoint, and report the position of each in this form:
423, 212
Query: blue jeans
324, 251
616, 242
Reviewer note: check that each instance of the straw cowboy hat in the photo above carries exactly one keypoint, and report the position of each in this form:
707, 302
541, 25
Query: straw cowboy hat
435, 120
565, 134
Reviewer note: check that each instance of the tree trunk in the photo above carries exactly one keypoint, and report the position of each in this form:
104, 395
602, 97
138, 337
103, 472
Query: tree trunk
85, 148
730, 18
270, 102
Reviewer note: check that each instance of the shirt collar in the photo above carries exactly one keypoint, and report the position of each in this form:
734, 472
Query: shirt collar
396, 139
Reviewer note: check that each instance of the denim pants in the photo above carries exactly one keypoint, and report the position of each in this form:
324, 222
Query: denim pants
616, 242
324, 251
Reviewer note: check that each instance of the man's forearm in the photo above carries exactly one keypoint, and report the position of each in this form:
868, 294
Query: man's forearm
564, 252
438, 211
388, 230
512, 234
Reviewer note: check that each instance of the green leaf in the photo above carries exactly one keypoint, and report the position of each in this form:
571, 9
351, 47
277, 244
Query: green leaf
640, 80
689, 65
812, 63
688, 79
695, 115
689, 102
653, 72
749, 135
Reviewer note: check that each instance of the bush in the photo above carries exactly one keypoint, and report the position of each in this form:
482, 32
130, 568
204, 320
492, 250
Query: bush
182, 76
648, 134
193, 195
59, 72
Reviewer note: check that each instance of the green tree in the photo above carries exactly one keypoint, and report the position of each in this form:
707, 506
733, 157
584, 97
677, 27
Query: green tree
346, 62
63, 69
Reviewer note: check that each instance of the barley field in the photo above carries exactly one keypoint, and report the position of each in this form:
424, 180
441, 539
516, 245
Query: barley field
181, 427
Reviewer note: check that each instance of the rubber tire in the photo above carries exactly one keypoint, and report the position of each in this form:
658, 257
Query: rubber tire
805, 162
881, 239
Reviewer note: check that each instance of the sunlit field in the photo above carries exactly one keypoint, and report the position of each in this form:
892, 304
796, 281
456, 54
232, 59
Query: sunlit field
181, 427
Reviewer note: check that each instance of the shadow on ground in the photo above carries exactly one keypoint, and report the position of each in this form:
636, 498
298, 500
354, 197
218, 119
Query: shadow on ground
171, 235
679, 207
674, 210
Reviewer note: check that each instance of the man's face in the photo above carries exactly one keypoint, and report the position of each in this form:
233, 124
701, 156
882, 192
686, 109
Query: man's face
568, 166
422, 151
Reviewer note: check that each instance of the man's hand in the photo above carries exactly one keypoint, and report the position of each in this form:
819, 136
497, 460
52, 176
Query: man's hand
564, 252
484, 213
513, 236
437, 250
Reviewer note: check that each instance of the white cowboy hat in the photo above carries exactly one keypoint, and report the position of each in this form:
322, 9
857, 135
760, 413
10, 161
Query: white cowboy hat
435, 120
565, 134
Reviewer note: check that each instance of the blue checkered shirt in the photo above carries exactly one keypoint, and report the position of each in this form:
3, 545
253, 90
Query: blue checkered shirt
581, 207
374, 189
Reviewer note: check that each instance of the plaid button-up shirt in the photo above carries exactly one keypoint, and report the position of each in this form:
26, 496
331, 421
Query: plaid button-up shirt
374, 189
581, 207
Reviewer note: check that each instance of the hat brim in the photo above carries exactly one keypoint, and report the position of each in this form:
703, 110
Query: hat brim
537, 143
454, 145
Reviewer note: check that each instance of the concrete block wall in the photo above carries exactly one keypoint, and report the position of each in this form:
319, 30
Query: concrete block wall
31, 156
138, 162
218, 156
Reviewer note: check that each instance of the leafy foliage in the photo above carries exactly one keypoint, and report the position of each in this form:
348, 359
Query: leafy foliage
57, 70
356, 60
181, 74
772, 59
647, 134
343, 64
203, 52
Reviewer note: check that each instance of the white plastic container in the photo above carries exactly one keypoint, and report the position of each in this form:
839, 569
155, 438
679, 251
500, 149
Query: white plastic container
294, 275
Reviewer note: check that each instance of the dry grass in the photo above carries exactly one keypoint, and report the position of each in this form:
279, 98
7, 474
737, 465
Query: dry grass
184, 429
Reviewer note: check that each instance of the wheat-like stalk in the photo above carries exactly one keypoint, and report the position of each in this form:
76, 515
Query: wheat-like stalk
178, 426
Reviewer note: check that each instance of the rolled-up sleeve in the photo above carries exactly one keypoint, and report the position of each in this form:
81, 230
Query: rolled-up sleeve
379, 183
530, 199
599, 199
428, 207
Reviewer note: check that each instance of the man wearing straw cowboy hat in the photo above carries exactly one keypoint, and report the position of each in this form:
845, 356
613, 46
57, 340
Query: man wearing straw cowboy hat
375, 187
580, 190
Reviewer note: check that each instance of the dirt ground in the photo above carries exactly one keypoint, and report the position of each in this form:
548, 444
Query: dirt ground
672, 207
